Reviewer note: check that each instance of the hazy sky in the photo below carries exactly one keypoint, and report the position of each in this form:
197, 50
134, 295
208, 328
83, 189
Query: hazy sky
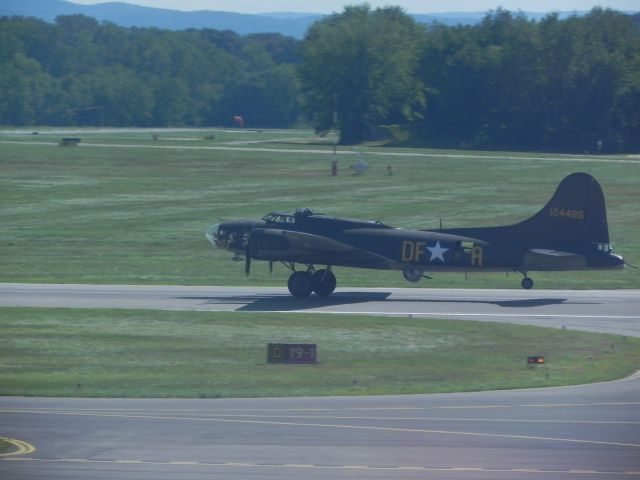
411, 6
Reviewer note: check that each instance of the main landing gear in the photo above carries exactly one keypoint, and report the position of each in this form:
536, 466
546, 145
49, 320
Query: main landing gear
302, 284
527, 283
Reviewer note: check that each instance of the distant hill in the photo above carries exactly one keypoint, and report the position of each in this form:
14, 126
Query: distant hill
127, 15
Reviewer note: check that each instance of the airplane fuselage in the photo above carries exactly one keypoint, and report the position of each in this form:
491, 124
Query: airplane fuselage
569, 233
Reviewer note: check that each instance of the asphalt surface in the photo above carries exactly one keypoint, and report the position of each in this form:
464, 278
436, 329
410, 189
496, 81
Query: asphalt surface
605, 311
569, 432
590, 431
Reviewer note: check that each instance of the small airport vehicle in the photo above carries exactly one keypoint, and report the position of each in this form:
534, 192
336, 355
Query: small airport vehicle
569, 233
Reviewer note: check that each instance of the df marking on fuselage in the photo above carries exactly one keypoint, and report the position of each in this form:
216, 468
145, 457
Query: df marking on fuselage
569, 233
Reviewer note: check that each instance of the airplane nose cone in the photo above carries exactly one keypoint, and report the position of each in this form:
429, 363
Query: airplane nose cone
232, 236
212, 233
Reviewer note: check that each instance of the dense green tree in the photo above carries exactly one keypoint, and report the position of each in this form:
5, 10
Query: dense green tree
81, 72
509, 82
585, 67
553, 85
361, 64
626, 114
280, 48
27, 93
267, 97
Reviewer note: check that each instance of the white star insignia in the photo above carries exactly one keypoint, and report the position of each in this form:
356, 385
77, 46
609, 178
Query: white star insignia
437, 252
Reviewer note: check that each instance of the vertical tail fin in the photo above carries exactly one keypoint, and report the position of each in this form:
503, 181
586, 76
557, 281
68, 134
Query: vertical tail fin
575, 213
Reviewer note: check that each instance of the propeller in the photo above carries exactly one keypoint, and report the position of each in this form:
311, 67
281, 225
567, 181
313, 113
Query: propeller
247, 259
247, 254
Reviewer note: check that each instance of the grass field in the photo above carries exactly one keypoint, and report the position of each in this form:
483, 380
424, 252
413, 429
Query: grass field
5, 446
108, 353
125, 208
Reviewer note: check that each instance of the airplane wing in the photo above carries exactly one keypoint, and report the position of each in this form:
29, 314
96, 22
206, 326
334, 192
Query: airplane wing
544, 259
437, 235
292, 246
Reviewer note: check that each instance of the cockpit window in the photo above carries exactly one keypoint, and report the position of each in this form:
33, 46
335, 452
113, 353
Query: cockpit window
279, 218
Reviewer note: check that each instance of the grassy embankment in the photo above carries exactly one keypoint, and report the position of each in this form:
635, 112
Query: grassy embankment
5, 447
49, 352
114, 214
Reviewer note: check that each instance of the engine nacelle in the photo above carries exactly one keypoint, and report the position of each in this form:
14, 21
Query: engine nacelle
268, 244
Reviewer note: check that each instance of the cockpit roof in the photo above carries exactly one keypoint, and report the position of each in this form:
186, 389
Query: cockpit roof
303, 213
279, 217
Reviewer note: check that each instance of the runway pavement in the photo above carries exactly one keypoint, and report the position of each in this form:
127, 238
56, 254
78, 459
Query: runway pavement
568, 432
579, 432
605, 311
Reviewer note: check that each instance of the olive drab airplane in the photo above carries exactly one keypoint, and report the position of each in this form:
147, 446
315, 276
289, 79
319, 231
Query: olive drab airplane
569, 233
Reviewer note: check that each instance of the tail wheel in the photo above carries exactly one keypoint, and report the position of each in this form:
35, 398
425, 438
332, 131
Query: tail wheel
527, 283
323, 282
300, 284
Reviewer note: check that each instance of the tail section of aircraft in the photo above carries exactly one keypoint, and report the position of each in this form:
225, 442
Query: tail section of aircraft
576, 213
569, 233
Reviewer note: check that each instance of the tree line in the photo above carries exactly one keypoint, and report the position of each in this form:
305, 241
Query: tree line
81, 72
508, 82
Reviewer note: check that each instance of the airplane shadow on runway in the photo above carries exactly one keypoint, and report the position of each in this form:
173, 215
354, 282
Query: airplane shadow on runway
285, 302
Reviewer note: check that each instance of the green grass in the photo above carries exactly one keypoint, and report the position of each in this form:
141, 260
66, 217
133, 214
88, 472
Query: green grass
109, 353
110, 214
119, 214
5, 447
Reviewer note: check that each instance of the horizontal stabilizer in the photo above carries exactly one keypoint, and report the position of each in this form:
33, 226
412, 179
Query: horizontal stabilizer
549, 260
552, 253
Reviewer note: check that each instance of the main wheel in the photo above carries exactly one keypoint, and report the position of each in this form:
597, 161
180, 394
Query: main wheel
527, 283
412, 274
323, 282
300, 284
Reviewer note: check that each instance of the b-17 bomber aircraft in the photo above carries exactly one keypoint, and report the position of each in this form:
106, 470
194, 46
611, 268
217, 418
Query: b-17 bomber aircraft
569, 233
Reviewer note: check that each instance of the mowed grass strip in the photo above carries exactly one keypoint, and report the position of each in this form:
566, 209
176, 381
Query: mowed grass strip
135, 210
109, 353
5, 447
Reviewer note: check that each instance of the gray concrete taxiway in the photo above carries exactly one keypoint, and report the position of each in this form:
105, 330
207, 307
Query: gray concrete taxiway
582, 432
604, 311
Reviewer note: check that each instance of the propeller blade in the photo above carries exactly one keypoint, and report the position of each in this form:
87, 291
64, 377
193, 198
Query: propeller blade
247, 260
270, 268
